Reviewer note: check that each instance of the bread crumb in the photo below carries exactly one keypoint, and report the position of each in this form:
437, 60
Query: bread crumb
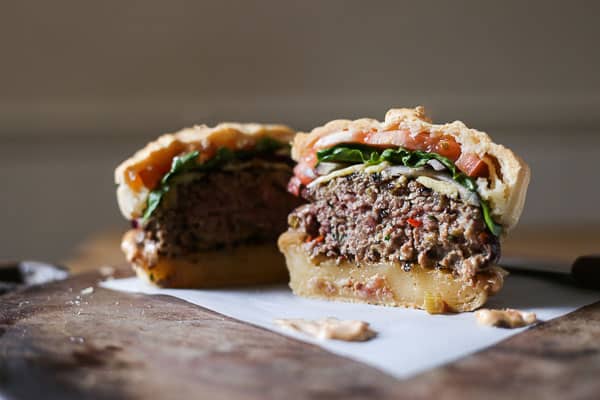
507, 318
87, 290
330, 328
106, 271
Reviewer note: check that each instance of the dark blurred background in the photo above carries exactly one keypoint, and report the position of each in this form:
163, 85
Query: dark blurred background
84, 84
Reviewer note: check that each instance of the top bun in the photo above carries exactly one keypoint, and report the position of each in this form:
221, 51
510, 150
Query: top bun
137, 176
505, 188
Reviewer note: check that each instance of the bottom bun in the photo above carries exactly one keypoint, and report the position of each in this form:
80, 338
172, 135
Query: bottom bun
434, 290
241, 265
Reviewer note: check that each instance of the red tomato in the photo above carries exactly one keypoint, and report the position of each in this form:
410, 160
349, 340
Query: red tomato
445, 145
472, 165
152, 174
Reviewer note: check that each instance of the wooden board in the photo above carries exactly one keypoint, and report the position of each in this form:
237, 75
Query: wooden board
57, 343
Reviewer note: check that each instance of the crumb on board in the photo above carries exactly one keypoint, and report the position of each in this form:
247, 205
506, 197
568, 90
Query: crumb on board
106, 271
507, 318
87, 290
330, 328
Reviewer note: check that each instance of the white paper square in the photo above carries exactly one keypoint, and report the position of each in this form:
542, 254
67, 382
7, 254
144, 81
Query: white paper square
408, 342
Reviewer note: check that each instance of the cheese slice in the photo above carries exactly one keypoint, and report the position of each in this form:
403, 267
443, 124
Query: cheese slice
445, 188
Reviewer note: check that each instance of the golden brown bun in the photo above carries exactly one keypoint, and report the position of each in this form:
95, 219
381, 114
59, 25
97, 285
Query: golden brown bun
385, 283
242, 265
505, 189
159, 154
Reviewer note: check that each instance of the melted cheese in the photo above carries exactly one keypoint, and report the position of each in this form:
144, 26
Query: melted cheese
336, 174
445, 188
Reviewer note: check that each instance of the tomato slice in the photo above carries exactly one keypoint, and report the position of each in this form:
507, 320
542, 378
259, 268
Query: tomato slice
133, 180
472, 165
443, 145
151, 175
447, 147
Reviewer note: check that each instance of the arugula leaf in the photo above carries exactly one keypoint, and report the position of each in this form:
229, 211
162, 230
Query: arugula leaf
353, 154
154, 199
179, 164
268, 145
188, 162
487, 216
357, 153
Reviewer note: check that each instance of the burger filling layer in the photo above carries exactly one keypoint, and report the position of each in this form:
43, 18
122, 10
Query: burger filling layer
377, 217
239, 204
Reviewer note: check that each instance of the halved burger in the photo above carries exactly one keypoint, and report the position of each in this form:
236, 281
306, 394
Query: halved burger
402, 212
207, 205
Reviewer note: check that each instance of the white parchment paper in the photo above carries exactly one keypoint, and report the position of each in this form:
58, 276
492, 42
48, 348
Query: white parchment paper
408, 341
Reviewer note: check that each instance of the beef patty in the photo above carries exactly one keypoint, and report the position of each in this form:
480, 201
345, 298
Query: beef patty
368, 218
221, 209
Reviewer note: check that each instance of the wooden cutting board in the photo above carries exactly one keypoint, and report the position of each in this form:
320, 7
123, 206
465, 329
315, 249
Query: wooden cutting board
57, 343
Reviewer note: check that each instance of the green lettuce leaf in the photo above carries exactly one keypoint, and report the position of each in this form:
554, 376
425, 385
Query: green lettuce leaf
189, 162
179, 164
356, 154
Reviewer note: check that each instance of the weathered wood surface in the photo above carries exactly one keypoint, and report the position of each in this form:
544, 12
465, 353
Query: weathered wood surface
57, 343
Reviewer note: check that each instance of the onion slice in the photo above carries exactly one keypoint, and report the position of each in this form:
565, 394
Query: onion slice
325, 168
435, 164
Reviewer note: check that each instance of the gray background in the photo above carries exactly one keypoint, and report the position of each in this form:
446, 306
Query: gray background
83, 84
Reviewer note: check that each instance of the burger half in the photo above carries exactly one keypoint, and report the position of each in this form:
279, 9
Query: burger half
207, 205
401, 212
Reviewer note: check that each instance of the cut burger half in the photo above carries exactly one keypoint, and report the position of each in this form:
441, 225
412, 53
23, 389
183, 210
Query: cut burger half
402, 212
207, 204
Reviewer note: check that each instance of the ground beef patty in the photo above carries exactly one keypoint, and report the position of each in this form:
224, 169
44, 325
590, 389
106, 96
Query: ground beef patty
367, 218
220, 209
